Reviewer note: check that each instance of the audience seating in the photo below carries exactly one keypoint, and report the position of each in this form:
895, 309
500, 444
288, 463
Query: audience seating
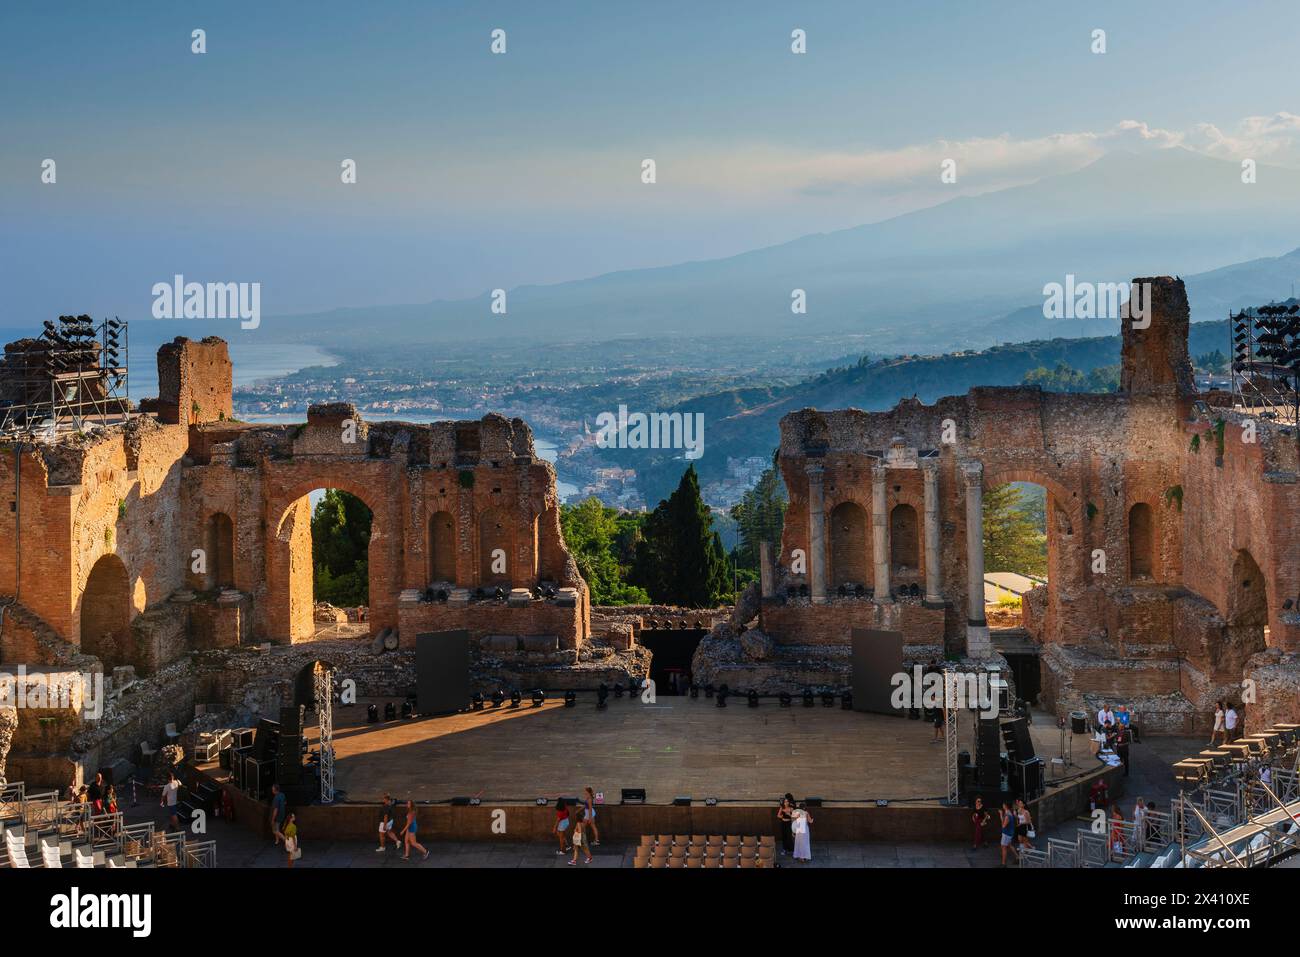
698, 850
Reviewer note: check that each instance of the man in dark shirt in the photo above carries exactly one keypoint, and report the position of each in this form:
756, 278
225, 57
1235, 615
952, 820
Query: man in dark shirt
279, 811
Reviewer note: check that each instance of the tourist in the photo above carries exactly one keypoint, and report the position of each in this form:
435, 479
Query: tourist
291, 838
95, 793
170, 795
1217, 736
1008, 824
589, 818
1140, 824
801, 825
561, 829
1098, 794
938, 724
279, 810
784, 818
1123, 716
386, 824
1105, 716
1266, 775
110, 800
1121, 746
409, 831
1024, 825
580, 837
979, 817
1117, 843
1230, 723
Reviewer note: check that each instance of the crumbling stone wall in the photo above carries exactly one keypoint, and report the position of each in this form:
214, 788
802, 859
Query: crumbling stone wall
194, 382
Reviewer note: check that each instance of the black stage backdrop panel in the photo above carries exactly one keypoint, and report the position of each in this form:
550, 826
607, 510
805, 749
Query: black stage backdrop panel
442, 671
877, 657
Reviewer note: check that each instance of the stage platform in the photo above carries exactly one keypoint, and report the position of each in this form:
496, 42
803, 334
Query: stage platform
677, 747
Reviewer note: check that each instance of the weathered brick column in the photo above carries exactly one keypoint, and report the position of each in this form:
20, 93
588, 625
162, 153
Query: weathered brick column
978, 644
933, 582
816, 534
880, 534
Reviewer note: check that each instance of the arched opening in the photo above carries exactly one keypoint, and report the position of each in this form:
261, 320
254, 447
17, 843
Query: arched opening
442, 548
1015, 529
849, 546
219, 542
106, 612
1141, 542
325, 536
1247, 617
494, 547
904, 540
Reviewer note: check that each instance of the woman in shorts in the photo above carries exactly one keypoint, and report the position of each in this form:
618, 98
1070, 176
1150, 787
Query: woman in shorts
409, 831
561, 829
1008, 820
589, 818
580, 838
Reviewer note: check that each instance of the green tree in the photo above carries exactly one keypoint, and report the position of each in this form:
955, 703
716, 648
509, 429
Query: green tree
680, 560
340, 548
603, 543
1214, 361
1014, 541
759, 516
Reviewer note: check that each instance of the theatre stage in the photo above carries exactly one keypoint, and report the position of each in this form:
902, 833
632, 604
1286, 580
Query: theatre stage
677, 746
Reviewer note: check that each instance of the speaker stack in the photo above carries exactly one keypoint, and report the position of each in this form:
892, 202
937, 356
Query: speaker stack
288, 756
1025, 769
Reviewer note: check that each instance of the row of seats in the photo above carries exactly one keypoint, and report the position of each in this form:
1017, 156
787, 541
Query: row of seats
682, 850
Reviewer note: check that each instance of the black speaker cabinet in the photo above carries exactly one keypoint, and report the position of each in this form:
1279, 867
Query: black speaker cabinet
988, 753
442, 671
288, 760
291, 719
1015, 732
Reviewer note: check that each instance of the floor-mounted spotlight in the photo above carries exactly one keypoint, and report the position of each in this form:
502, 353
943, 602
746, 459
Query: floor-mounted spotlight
539, 698
570, 699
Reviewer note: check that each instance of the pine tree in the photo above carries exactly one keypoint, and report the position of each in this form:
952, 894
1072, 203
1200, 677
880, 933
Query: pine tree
679, 559
340, 549
1014, 541
759, 515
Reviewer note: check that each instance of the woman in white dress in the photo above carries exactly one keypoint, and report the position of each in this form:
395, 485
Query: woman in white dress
802, 835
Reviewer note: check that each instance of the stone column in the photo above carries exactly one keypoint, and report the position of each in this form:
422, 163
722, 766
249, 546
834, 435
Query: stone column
933, 561
766, 575
978, 644
880, 533
816, 534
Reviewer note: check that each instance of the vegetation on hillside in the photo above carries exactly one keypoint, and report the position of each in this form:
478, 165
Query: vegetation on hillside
340, 548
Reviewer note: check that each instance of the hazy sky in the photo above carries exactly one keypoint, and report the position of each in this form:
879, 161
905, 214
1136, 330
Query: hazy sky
478, 170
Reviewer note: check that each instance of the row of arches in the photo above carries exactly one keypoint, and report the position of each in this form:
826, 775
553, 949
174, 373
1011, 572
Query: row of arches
851, 549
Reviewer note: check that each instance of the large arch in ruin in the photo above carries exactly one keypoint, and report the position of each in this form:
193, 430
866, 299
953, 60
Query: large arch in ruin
106, 612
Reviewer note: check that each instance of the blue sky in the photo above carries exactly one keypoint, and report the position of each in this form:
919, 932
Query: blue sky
476, 171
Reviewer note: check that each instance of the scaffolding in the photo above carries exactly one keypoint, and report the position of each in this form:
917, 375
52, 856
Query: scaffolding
1264, 343
323, 677
950, 713
70, 378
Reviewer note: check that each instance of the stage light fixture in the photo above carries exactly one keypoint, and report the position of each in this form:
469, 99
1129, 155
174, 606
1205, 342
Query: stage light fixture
406, 709
475, 802
372, 713
753, 698
618, 689
846, 701
695, 690
807, 698
477, 701
632, 796
390, 711
785, 699
708, 691
570, 699
515, 698
498, 698
539, 698
722, 699
828, 700
681, 801
602, 695
542, 802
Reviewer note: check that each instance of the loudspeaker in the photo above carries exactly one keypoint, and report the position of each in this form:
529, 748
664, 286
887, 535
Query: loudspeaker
288, 759
1015, 732
442, 671
877, 657
1026, 778
291, 719
988, 754
266, 741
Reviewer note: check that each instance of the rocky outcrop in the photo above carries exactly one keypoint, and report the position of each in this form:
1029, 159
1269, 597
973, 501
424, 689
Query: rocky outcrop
8, 725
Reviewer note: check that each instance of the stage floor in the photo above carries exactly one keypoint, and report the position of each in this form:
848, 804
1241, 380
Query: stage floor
677, 746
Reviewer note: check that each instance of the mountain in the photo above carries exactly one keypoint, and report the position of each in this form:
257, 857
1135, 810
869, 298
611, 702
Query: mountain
946, 277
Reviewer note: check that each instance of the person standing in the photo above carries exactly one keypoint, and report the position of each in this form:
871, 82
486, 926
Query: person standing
1121, 746
580, 837
801, 825
979, 817
1117, 833
279, 811
386, 824
784, 819
1007, 820
589, 818
1140, 825
1217, 735
409, 831
170, 795
561, 829
1230, 723
290, 831
95, 793
110, 800
1024, 825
